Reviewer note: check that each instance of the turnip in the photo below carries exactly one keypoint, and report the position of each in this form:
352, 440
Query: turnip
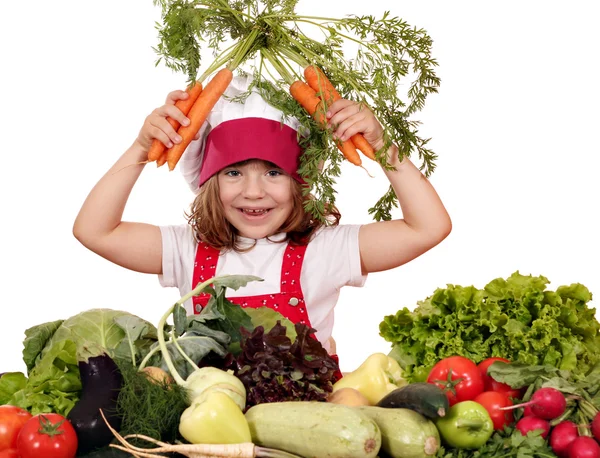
546, 403
584, 447
561, 437
596, 426
526, 424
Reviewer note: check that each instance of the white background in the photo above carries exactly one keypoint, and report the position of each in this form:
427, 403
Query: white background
515, 125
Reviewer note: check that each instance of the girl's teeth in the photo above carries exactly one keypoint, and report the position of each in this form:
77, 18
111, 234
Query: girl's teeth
255, 212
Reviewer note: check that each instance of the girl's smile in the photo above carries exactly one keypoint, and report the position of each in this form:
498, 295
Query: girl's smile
256, 197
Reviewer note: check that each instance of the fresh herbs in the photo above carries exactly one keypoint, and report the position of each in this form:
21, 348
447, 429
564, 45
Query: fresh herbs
275, 369
149, 407
366, 58
515, 318
505, 444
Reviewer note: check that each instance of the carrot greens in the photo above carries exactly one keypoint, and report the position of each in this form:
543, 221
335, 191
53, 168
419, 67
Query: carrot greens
367, 59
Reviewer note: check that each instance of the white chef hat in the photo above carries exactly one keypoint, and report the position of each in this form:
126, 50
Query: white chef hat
235, 131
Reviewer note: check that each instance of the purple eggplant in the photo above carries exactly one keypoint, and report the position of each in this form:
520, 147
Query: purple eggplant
101, 382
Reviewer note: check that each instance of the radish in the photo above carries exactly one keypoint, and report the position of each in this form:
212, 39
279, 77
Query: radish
596, 426
561, 437
584, 447
526, 424
546, 403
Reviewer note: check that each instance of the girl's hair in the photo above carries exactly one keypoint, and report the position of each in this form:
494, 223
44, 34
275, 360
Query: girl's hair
209, 225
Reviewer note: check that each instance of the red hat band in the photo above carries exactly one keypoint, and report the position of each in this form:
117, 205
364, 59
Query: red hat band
251, 138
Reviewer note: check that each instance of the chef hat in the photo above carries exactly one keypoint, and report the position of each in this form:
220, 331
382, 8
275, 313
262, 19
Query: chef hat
236, 131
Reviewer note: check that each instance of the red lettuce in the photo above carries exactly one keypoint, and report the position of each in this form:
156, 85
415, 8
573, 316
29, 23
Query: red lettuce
275, 369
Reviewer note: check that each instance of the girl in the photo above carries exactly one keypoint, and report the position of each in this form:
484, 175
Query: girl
248, 216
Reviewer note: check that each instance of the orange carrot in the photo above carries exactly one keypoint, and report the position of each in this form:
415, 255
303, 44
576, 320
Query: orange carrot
158, 147
162, 160
198, 113
307, 97
320, 83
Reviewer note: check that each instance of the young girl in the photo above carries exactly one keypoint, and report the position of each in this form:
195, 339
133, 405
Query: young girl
248, 216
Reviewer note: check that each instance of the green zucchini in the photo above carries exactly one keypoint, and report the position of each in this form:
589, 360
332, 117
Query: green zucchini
314, 429
425, 398
404, 432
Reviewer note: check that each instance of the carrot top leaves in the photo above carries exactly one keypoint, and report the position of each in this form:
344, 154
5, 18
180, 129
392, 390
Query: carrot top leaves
382, 62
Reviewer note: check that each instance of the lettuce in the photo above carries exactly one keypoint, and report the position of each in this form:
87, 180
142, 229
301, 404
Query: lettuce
515, 318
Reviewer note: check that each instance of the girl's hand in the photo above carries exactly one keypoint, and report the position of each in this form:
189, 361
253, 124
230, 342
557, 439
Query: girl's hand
156, 125
348, 118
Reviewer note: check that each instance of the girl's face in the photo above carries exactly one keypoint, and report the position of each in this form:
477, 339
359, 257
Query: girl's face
256, 197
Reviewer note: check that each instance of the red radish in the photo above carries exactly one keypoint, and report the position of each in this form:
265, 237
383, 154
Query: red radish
561, 437
547, 403
526, 424
584, 447
527, 412
596, 426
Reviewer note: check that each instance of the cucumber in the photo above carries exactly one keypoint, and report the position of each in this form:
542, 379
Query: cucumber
404, 432
314, 429
425, 398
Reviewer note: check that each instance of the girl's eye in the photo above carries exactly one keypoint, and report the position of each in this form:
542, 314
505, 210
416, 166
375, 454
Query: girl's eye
274, 173
232, 173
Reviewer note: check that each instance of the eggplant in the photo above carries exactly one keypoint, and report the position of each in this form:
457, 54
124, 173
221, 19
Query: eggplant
101, 382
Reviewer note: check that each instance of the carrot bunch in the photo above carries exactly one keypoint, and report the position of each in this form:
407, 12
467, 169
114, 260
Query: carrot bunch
314, 96
196, 107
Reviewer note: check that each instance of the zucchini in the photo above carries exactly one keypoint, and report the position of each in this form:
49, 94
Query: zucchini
425, 398
314, 429
404, 432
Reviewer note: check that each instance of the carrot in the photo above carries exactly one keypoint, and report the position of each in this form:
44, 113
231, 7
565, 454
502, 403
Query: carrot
320, 83
307, 97
158, 147
162, 160
198, 113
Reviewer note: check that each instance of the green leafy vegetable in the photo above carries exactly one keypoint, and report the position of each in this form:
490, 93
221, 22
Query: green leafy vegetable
515, 318
96, 331
10, 383
54, 384
505, 444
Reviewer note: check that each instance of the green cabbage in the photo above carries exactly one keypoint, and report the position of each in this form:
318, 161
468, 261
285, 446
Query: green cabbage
515, 318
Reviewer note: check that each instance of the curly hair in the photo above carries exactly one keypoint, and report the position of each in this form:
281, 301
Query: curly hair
209, 224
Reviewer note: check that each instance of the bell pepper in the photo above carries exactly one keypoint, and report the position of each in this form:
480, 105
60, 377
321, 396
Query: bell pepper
214, 418
375, 377
467, 425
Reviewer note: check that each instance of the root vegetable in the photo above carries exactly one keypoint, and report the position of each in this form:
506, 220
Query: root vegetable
562, 436
527, 424
584, 447
547, 403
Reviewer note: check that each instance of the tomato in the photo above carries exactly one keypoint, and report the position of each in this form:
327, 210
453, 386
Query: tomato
49, 435
489, 384
459, 377
9, 453
493, 401
12, 419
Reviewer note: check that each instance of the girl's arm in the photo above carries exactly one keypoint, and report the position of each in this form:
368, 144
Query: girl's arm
388, 244
98, 225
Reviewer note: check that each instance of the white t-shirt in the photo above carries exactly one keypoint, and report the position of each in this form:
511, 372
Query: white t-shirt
332, 260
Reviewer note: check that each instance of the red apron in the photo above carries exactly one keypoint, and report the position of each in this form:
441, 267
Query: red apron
289, 301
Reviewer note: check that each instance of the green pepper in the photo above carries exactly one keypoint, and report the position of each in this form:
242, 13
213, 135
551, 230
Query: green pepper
467, 425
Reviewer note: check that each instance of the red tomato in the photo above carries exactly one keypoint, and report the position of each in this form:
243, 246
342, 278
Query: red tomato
12, 419
49, 435
493, 401
458, 377
9, 453
489, 384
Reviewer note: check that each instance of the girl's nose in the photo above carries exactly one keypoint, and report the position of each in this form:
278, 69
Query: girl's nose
253, 188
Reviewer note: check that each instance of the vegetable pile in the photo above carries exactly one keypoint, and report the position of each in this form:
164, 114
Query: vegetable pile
516, 318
